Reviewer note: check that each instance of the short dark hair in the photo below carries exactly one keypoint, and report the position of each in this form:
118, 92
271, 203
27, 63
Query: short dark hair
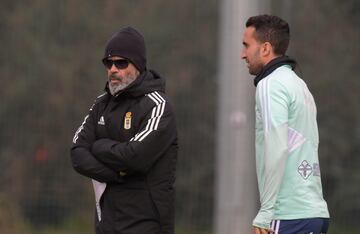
272, 29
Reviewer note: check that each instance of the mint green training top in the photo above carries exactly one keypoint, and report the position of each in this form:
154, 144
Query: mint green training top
287, 141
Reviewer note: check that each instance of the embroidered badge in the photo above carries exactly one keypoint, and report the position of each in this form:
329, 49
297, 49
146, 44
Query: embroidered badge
127, 120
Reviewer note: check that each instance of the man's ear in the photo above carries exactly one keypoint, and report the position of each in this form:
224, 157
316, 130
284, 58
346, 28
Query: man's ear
266, 49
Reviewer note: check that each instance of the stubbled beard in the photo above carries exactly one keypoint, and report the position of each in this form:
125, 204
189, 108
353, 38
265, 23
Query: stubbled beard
255, 68
124, 82
254, 72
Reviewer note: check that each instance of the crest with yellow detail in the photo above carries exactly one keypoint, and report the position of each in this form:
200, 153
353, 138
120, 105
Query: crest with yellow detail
127, 120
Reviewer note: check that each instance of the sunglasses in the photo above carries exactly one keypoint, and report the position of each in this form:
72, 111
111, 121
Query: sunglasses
119, 63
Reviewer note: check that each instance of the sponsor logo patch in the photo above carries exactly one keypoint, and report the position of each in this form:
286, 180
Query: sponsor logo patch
305, 169
316, 169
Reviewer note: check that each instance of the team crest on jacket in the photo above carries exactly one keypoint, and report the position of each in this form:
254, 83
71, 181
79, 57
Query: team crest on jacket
127, 120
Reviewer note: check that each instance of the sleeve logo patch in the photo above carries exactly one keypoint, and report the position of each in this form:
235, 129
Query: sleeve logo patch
127, 120
305, 169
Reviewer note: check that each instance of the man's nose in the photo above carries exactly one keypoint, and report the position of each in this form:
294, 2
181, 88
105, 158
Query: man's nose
113, 68
243, 54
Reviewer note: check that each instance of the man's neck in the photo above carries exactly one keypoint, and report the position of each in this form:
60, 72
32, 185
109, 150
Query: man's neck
270, 58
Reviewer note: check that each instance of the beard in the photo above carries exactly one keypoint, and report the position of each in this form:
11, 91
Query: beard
255, 68
123, 82
254, 62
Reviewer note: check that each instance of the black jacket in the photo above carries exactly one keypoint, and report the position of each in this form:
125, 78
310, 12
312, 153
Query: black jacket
129, 142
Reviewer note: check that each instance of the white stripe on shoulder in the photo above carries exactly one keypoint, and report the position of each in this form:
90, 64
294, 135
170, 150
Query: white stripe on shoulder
80, 129
156, 114
264, 91
86, 117
102, 95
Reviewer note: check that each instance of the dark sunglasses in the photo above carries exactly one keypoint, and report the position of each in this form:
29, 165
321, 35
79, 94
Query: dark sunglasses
119, 63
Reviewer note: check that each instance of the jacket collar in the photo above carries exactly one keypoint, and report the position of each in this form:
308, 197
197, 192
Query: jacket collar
272, 65
148, 81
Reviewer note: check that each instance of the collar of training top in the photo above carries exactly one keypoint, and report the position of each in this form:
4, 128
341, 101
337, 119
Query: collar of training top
272, 65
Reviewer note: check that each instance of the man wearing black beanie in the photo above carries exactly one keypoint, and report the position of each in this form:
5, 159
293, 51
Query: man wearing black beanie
127, 144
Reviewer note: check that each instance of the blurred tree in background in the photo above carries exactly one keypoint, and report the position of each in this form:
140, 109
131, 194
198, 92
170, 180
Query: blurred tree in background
51, 71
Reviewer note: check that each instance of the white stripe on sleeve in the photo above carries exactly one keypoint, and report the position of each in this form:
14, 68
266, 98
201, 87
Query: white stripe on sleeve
264, 91
79, 130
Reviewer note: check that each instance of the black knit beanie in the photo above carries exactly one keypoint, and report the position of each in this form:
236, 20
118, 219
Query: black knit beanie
130, 44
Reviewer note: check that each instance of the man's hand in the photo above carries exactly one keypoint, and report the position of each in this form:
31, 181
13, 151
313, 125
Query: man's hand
258, 230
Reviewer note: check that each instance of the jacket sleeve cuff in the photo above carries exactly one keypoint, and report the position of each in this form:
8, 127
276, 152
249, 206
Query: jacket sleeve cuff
263, 220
